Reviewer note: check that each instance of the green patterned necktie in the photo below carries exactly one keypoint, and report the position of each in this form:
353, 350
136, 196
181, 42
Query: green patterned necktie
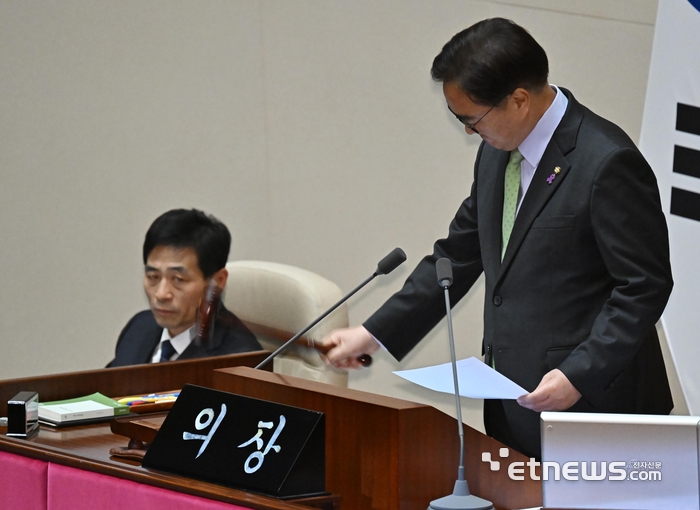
511, 189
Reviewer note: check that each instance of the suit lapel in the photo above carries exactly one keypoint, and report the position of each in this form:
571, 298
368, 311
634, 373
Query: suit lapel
542, 187
201, 351
198, 351
490, 236
193, 351
537, 196
144, 350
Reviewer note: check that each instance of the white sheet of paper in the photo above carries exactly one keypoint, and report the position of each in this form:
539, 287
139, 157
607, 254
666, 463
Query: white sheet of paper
476, 380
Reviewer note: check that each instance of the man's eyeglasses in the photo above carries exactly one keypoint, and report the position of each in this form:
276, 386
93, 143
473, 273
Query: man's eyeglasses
472, 126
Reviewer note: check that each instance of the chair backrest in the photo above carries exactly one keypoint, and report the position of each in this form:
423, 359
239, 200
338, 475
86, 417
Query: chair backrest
276, 301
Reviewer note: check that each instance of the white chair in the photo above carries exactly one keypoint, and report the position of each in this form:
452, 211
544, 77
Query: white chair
276, 301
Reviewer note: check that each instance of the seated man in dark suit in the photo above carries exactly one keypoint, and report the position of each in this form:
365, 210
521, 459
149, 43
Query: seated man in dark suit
183, 251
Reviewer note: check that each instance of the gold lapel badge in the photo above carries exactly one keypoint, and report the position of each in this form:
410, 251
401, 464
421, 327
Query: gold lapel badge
557, 171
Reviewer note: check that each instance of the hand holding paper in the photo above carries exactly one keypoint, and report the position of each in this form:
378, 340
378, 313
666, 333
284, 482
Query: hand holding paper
554, 393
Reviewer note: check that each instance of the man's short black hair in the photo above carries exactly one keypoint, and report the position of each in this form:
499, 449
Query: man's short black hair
490, 59
183, 228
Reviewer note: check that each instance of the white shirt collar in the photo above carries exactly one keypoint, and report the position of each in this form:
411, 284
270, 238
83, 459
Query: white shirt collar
534, 145
179, 342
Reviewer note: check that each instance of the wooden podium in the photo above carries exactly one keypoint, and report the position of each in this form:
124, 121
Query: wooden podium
386, 453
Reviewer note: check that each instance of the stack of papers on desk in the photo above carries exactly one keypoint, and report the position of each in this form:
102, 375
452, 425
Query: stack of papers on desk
81, 409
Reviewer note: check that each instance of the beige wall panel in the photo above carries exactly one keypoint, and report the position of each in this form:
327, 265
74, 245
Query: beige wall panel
635, 11
364, 155
112, 113
310, 127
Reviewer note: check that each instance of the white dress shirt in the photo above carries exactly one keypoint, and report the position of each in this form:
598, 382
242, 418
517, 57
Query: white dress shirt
180, 343
536, 142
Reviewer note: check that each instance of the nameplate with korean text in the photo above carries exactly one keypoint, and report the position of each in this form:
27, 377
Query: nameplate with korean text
242, 442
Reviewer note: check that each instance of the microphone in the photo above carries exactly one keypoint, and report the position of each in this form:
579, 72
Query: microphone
443, 268
395, 258
385, 266
460, 497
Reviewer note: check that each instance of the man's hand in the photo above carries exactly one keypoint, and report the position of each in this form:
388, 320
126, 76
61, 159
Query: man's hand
554, 393
348, 344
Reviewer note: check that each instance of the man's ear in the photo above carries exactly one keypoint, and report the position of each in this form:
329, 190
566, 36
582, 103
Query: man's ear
220, 277
521, 97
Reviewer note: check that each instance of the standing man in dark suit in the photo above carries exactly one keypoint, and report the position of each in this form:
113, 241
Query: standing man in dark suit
564, 218
184, 250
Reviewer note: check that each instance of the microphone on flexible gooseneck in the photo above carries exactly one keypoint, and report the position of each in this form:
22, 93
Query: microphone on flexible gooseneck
460, 499
385, 266
394, 259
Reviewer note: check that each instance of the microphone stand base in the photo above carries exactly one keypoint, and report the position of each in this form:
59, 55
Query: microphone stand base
454, 502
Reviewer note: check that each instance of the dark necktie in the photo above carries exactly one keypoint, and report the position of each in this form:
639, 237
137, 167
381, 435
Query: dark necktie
166, 351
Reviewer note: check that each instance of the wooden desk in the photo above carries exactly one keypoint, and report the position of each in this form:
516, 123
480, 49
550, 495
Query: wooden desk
87, 447
381, 453
121, 381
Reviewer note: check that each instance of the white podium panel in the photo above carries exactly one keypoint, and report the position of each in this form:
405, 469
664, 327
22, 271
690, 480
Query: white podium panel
620, 461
